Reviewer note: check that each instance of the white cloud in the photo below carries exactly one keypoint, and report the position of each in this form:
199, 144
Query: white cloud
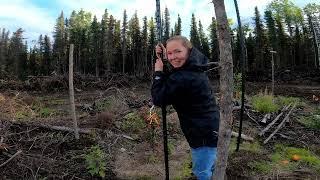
20, 13
36, 20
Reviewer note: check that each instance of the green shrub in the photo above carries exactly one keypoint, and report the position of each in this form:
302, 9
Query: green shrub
103, 104
264, 103
133, 122
46, 112
96, 161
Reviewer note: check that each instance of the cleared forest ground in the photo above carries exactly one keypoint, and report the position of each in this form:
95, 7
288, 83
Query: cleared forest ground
117, 137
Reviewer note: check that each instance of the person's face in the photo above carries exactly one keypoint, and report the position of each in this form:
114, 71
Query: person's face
177, 53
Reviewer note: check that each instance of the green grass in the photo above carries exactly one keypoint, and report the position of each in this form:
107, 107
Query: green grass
264, 103
59, 101
261, 167
22, 115
281, 160
311, 121
46, 112
284, 101
248, 146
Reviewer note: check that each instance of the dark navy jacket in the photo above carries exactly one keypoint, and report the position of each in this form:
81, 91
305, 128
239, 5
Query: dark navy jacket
187, 89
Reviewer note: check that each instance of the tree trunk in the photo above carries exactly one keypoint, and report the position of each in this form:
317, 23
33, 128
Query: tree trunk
71, 91
226, 88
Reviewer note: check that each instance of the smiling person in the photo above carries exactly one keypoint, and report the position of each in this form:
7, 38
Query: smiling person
187, 89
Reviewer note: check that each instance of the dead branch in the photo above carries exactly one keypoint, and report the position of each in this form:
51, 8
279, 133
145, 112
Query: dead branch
274, 121
13, 156
280, 125
265, 118
243, 136
247, 112
127, 137
63, 128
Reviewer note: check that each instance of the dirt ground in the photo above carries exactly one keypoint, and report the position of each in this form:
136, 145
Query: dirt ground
28, 120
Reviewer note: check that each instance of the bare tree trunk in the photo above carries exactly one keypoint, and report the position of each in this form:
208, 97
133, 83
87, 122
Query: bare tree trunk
226, 88
123, 59
71, 91
97, 66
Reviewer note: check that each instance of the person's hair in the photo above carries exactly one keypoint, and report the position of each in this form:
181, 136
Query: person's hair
185, 42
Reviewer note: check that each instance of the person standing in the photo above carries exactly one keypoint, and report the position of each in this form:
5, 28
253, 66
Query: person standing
187, 89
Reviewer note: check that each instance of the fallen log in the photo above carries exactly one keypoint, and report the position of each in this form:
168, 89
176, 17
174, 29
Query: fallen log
280, 125
274, 121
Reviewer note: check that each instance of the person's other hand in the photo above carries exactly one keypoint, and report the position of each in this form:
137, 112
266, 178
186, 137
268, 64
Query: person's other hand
160, 49
158, 66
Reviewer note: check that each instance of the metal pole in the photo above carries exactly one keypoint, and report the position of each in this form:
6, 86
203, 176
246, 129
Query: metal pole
242, 58
163, 107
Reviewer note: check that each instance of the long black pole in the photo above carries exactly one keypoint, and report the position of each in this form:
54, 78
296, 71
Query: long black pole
242, 58
163, 107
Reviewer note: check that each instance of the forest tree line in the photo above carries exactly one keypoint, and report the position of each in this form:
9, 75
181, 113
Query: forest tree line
127, 45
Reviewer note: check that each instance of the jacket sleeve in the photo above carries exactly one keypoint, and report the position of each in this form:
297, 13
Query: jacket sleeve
164, 89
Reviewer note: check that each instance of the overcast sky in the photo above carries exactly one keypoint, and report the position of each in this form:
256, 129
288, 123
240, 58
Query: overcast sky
39, 16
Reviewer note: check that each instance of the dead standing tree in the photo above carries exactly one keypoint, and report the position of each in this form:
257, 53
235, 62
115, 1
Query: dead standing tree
226, 88
71, 91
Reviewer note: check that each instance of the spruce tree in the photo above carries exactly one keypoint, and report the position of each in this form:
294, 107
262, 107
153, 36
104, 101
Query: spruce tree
203, 41
177, 27
124, 40
194, 35
60, 44
214, 44
166, 25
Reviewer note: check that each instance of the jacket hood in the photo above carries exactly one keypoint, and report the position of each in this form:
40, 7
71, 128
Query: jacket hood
196, 61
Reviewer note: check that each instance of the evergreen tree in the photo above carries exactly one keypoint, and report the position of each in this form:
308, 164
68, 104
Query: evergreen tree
60, 44
260, 41
152, 42
95, 45
104, 38
214, 44
16, 63
194, 35
32, 65
177, 27
124, 39
272, 36
4, 45
166, 25
117, 45
250, 44
79, 35
110, 41
203, 41
135, 42
145, 44
283, 47
47, 55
